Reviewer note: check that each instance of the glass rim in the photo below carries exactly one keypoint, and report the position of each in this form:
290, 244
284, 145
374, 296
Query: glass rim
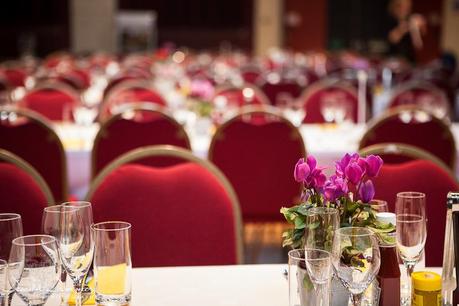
295, 251
340, 231
71, 204
10, 216
52, 209
325, 210
3, 262
96, 226
26, 237
411, 195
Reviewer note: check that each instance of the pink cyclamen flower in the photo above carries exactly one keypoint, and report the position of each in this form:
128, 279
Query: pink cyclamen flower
334, 188
302, 171
373, 165
308, 173
367, 191
354, 172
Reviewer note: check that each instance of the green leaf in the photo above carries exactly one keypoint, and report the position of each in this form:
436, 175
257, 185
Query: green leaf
299, 223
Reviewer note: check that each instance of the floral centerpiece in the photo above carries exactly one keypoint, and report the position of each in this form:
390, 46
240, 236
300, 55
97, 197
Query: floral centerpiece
350, 190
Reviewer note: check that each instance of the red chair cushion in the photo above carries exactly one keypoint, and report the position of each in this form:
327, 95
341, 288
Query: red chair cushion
123, 135
53, 104
36, 145
272, 91
180, 215
429, 135
422, 176
133, 95
22, 195
336, 96
257, 157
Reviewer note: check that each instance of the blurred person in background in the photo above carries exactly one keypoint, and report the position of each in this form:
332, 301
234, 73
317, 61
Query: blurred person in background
405, 30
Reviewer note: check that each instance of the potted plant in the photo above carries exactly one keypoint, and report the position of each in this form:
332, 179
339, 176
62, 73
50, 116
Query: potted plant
349, 190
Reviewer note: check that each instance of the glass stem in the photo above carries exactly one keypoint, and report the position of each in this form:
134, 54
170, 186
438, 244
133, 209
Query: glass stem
78, 285
356, 299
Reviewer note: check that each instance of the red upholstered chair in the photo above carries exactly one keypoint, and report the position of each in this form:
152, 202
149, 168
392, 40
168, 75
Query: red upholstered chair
186, 214
23, 191
240, 96
31, 137
410, 125
15, 76
129, 92
397, 153
422, 176
256, 150
136, 127
423, 95
54, 101
331, 94
275, 91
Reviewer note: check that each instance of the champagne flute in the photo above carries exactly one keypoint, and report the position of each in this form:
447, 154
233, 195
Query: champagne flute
319, 267
321, 223
10, 228
76, 243
411, 232
54, 221
34, 268
356, 259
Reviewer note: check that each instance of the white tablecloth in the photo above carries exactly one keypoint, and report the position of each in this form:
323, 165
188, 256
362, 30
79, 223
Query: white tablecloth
326, 142
242, 285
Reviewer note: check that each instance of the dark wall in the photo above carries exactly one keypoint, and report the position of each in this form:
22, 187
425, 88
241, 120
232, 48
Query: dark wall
200, 24
41, 26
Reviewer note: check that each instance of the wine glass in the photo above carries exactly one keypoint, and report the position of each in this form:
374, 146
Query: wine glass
76, 243
34, 268
319, 267
356, 259
411, 232
379, 205
54, 221
10, 228
321, 223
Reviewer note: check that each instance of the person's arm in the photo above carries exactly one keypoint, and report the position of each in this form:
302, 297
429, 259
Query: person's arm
396, 34
417, 28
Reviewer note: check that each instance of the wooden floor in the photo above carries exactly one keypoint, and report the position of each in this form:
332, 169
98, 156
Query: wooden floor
263, 243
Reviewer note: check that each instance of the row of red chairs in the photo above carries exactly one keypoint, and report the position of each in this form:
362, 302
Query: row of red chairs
191, 206
30, 136
56, 101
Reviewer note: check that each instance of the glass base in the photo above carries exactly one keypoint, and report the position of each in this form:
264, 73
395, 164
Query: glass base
109, 300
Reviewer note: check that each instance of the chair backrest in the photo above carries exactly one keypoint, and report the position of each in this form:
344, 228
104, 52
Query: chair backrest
422, 176
30, 136
54, 101
423, 95
23, 191
397, 153
240, 96
128, 92
186, 214
419, 128
256, 150
276, 91
136, 127
329, 96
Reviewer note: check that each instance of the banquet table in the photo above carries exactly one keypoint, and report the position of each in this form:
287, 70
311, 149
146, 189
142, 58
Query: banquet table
239, 285
326, 142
